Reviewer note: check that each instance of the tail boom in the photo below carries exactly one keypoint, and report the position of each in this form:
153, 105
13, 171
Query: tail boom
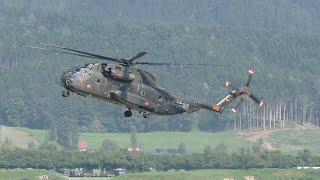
224, 102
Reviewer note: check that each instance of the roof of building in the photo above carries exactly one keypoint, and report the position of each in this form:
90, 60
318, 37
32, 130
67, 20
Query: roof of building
83, 145
159, 151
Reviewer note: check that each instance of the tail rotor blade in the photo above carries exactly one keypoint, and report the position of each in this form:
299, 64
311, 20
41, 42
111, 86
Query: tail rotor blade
228, 84
250, 72
234, 109
255, 99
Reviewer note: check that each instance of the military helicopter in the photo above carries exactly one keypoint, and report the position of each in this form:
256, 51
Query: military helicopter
134, 88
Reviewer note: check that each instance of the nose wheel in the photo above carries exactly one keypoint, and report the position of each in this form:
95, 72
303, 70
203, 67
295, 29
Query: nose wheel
146, 114
65, 93
128, 113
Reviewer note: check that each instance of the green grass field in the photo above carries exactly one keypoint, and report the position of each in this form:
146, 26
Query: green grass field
194, 141
289, 141
27, 175
261, 174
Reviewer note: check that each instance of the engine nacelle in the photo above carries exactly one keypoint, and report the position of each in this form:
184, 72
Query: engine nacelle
122, 77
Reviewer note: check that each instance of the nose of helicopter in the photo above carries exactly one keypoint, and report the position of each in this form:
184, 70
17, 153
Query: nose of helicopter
65, 79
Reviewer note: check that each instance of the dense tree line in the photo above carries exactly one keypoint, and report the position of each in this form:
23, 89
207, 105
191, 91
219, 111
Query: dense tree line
270, 14
285, 59
50, 157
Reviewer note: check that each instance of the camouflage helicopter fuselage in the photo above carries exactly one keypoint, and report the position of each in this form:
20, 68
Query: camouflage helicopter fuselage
130, 87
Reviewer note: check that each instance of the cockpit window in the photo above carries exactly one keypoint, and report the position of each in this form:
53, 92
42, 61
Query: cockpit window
84, 73
74, 76
74, 70
79, 72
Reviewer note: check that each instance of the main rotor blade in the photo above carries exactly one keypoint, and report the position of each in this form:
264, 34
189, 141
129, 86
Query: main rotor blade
176, 64
46, 49
82, 52
139, 55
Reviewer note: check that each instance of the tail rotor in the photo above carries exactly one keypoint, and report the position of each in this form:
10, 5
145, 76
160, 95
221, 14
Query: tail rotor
242, 91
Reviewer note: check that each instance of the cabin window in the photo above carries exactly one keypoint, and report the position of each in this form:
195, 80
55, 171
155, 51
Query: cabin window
118, 67
143, 93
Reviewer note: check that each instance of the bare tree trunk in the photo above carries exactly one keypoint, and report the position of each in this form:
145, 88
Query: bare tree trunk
277, 112
274, 116
240, 121
284, 113
315, 118
264, 117
250, 117
290, 112
295, 107
257, 114
310, 116
270, 116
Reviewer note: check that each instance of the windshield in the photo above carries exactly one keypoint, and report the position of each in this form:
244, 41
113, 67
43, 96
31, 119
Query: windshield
74, 70
74, 73
79, 72
83, 72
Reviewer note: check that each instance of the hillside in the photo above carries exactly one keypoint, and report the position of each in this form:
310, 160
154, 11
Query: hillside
267, 14
16, 137
285, 59
279, 40
289, 141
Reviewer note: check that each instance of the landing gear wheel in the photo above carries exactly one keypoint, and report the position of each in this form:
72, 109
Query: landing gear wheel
127, 113
65, 93
146, 114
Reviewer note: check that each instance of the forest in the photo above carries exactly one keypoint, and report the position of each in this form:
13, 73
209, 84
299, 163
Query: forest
278, 39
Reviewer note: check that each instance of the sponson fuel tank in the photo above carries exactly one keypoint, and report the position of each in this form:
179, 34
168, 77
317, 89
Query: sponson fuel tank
133, 99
